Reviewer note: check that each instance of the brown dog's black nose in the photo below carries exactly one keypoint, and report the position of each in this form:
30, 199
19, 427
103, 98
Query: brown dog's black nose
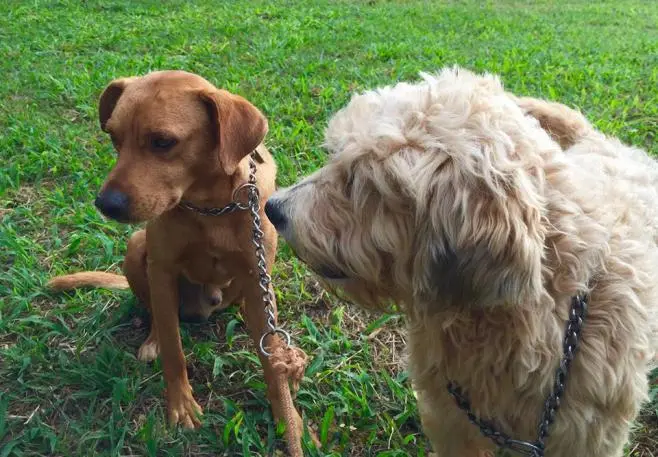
275, 213
113, 204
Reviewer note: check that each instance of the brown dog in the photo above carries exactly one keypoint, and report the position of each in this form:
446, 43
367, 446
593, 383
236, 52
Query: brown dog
180, 139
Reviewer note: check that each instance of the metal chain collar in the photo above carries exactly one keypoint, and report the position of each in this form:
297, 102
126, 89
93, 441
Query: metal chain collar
264, 279
577, 316
232, 207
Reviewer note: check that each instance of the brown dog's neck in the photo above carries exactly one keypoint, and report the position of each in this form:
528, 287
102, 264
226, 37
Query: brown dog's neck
216, 189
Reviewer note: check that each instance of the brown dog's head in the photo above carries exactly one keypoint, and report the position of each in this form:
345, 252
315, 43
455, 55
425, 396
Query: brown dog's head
171, 130
433, 194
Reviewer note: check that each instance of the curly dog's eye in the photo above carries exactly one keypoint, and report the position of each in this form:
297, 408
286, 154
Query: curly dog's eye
330, 272
348, 184
162, 143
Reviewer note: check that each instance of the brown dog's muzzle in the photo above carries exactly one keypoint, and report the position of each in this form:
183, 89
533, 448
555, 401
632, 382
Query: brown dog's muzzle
114, 204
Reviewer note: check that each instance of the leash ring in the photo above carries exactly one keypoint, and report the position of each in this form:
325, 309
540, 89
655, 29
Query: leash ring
278, 330
247, 185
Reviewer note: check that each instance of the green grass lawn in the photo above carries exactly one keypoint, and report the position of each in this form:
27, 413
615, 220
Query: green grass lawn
70, 384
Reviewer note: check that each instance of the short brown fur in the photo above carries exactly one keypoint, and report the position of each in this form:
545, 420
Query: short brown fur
207, 262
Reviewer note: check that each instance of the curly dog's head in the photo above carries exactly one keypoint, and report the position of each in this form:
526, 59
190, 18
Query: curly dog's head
433, 193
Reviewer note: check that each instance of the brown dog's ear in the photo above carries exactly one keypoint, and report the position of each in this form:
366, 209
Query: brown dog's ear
240, 126
109, 99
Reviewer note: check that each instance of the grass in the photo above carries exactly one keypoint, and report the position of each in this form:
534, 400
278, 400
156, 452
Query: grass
71, 385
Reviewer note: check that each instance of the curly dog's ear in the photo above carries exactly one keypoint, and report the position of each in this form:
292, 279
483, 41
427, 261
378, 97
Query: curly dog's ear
110, 97
488, 242
565, 125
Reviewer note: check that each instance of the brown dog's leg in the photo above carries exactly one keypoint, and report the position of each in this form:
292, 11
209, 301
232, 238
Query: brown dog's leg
181, 405
134, 267
197, 302
150, 349
256, 319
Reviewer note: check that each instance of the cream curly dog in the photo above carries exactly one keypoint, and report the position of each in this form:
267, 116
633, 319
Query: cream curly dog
482, 215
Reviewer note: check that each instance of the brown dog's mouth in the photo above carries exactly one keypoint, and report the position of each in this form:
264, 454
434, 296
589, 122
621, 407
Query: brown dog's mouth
122, 220
154, 211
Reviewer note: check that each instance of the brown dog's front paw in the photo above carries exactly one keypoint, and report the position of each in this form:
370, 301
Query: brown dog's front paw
184, 409
149, 350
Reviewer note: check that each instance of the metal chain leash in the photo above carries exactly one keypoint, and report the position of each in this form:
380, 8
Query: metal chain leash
574, 326
264, 279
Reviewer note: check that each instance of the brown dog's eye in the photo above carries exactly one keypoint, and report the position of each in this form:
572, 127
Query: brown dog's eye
162, 144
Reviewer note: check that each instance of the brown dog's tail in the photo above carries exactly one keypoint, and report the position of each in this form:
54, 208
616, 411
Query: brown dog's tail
88, 279
565, 125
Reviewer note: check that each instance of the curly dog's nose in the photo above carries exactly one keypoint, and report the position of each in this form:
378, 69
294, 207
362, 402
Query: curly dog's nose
274, 212
113, 204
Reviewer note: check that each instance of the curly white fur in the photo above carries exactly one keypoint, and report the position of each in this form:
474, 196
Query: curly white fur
482, 214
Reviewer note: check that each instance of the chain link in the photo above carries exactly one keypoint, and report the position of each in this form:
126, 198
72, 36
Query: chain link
264, 279
228, 209
577, 315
